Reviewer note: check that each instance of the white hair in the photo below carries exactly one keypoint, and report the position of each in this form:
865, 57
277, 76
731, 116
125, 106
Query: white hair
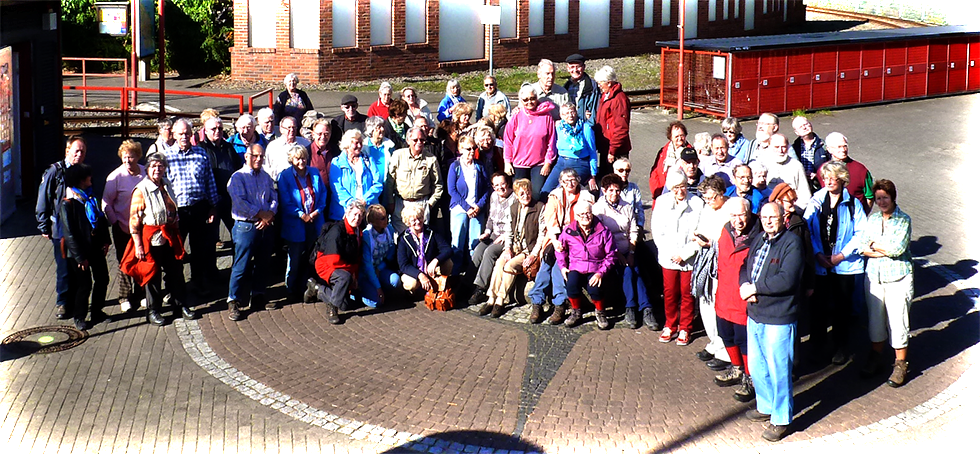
605, 74
290, 76
264, 112
545, 63
245, 118
526, 89
736, 203
449, 85
835, 137
384, 85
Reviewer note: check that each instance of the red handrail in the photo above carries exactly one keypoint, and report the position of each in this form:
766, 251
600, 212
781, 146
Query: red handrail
251, 108
85, 73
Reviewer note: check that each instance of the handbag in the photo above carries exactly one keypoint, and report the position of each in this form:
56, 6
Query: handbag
441, 297
531, 271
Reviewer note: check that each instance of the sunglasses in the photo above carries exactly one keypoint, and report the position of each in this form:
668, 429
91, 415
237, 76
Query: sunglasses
489, 85
528, 99
728, 131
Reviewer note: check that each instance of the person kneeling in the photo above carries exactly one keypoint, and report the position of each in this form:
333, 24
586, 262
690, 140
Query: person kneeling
585, 253
423, 257
338, 256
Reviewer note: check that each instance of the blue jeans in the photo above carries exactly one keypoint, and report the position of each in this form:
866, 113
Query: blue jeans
580, 165
298, 261
250, 242
466, 232
533, 174
633, 287
369, 293
548, 274
771, 363
61, 273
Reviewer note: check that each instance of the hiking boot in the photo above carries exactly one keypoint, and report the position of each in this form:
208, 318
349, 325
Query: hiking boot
683, 338
333, 315
649, 320
732, 376
234, 312
536, 314
600, 320
774, 433
746, 392
558, 315
485, 309
667, 335
479, 296
899, 371
756, 415
872, 365
498, 310
309, 296
574, 316
718, 365
631, 320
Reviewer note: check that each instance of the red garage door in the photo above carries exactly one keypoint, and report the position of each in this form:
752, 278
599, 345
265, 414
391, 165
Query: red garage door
772, 81
938, 67
957, 65
848, 75
872, 71
799, 69
745, 84
824, 77
917, 64
894, 79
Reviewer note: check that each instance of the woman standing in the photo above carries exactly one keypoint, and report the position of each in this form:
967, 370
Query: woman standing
448, 104
529, 146
352, 176
116, 200
613, 119
417, 107
292, 101
302, 202
85, 232
469, 189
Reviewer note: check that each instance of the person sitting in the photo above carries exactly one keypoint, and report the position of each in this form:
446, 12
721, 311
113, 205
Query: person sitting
303, 205
422, 255
380, 107
575, 142
491, 244
586, 254
377, 276
352, 176
448, 104
85, 231
469, 189
338, 259
523, 244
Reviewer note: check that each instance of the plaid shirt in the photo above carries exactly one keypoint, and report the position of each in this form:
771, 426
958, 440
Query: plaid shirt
190, 176
251, 191
893, 235
760, 256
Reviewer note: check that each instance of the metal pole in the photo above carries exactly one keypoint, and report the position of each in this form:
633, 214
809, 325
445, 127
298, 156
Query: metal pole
161, 58
133, 11
491, 49
680, 64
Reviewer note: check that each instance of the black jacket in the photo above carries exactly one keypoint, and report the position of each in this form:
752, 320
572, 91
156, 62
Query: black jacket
224, 162
797, 225
49, 196
779, 282
279, 108
80, 239
435, 248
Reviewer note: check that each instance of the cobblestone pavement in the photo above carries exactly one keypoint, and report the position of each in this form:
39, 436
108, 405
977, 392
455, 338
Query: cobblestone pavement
408, 379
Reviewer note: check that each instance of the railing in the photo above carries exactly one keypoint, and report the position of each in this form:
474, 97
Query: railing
267, 91
85, 74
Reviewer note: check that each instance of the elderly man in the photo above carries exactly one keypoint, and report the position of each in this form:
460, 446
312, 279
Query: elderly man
254, 202
809, 149
380, 107
196, 194
582, 90
859, 186
770, 283
322, 149
50, 196
743, 187
350, 119
266, 124
545, 87
721, 163
738, 145
688, 163
276, 156
246, 135
224, 161
765, 127
416, 176
490, 96
782, 168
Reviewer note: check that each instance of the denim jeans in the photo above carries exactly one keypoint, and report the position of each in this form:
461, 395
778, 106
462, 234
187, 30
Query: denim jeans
250, 242
548, 274
298, 260
466, 233
634, 288
581, 166
369, 293
771, 363
533, 174
61, 273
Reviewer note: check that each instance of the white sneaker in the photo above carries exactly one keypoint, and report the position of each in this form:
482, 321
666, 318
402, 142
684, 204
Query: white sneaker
143, 303
125, 306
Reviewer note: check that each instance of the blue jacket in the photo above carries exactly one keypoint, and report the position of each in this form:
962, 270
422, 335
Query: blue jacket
367, 269
291, 205
458, 190
850, 225
240, 148
588, 150
588, 100
755, 197
343, 181
446, 103
778, 286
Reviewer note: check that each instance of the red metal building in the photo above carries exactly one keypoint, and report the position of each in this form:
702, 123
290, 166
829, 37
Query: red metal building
744, 77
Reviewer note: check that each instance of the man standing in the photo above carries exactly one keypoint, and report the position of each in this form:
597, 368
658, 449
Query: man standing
350, 119
417, 181
721, 163
224, 161
689, 164
266, 124
770, 283
782, 168
50, 195
582, 90
197, 196
490, 96
765, 127
322, 149
810, 149
254, 202
276, 157
859, 186
545, 87
743, 188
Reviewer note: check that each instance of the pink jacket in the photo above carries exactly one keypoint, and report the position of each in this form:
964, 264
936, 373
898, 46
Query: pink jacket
528, 137
593, 255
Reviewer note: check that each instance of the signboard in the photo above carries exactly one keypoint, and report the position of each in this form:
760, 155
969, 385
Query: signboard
490, 15
8, 143
113, 18
144, 22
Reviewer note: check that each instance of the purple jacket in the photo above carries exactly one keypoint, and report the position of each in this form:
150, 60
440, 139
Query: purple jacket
593, 255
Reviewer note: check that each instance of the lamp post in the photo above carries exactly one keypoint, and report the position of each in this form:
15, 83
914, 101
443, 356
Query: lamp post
490, 15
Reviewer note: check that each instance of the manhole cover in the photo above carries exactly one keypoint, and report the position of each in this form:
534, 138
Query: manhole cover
42, 339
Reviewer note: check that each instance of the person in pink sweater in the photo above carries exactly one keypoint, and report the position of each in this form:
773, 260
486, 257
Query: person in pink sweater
529, 145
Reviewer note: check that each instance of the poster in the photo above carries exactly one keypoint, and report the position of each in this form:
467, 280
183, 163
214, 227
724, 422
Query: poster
8, 148
144, 22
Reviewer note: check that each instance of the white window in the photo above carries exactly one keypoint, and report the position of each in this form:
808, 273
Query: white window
304, 24
593, 24
647, 13
665, 13
712, 10
535, 26
261, 23
461, 36
380, 22
508, 18
344, 23
629, 10
415, 21
561, 17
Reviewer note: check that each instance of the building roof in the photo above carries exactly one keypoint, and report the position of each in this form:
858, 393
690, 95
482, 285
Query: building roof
753, 43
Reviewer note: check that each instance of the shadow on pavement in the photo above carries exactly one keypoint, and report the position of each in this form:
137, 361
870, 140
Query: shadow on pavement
456, 441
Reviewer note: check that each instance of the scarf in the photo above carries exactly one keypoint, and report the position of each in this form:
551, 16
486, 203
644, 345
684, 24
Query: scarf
573, 133
91, 204
399, 128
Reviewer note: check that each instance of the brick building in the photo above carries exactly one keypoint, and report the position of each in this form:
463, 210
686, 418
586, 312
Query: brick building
324, 40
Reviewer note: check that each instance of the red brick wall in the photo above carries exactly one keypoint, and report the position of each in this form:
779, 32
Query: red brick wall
372, 62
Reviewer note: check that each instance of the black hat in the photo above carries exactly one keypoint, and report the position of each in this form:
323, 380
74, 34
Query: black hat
575, 58
689, 155
348, 99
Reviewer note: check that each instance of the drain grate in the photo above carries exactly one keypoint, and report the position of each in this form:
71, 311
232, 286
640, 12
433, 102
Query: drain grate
43, 339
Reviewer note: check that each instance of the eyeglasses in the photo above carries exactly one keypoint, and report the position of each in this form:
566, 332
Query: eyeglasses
583, 215
621, 170
728, 131
528, 99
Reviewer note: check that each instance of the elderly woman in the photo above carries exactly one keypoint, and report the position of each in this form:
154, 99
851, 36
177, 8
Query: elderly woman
379, 108
417, 107
491, 244
497, 120
836, 224
246, 135
529, 145
377, 147
587, 252
448, 104
469, 190
487, 151
377, 275
422, 254
292, 101
674, 218
738, 145
613, 119
302, 205
702, 143
619, 218
396, 127
490, 96
450, 131
164, 136
352, 176
338, 258
85, 240
157, 247
705, 273
575, 143
888, 285
117, 198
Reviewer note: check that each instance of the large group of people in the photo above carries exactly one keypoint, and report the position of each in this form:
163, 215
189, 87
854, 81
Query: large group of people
764, 239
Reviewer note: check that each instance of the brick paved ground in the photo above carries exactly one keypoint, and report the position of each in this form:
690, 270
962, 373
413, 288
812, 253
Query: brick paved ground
284, 381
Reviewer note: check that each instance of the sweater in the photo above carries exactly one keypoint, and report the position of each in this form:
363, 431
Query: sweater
779, 282
529, 137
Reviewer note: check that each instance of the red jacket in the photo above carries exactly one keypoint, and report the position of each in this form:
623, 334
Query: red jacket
613, 119
729, 305
378, 110
144, 270
658, 176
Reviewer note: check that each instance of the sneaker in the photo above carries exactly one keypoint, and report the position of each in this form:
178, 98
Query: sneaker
498, 310
631, 320
649, 320
746, 392
333, 315
558, 315
573, 317
536, 314
485, 309
756, 415
704, 355
732, 376
125, 306
899, 371
143, 303
718, 365
310, 294
774, 433
667, 335
234, 313
872, 365
600, 320
683, 338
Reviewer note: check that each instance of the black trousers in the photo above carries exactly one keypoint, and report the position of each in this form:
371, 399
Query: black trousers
194, 222
173, 271
80, 285
831, 306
